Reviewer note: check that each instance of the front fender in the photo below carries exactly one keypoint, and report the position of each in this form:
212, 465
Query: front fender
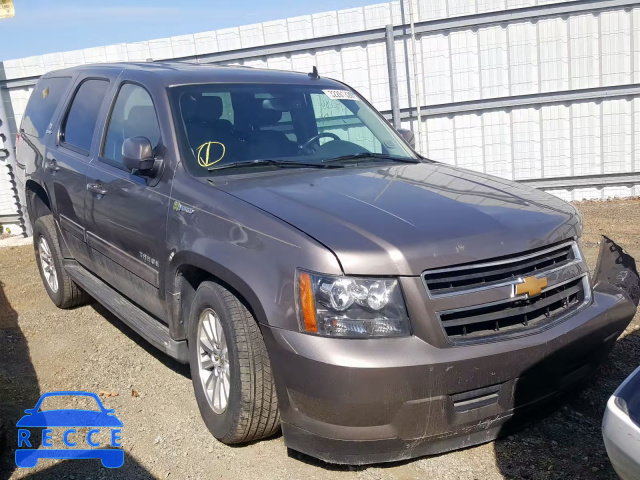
250, 250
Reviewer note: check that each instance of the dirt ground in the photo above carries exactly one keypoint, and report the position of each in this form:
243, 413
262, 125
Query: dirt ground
45, 349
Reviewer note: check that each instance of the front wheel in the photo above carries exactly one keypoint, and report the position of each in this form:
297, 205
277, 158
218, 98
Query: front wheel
230, 368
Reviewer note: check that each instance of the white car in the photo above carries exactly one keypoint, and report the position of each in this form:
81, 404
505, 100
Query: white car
621, 428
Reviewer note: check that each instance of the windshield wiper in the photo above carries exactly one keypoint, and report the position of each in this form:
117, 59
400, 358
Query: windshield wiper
374, 156
270, 162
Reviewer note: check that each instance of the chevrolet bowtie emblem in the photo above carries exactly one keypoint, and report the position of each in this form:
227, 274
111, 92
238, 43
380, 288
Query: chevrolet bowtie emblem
532, 286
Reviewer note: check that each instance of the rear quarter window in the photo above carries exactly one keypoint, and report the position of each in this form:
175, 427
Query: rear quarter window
43, 102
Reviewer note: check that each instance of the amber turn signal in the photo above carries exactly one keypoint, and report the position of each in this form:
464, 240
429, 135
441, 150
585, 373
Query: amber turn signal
306, 303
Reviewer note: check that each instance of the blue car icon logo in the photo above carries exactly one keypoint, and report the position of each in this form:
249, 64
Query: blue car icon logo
70, 420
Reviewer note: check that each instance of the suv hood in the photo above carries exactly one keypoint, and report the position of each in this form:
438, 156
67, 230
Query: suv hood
404, 219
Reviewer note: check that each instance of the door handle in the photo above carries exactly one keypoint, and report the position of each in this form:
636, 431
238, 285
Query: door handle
51, 164
96, 188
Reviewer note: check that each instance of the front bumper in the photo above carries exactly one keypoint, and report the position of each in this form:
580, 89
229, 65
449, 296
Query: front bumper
621, 430
370, 401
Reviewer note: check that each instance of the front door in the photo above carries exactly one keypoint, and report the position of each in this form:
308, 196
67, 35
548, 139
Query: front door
126, 212
66, 161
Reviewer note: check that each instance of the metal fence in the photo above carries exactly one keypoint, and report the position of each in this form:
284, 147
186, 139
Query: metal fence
540, 91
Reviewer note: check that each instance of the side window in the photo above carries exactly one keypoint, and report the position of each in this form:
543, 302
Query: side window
42, 104
81, 120
133, 115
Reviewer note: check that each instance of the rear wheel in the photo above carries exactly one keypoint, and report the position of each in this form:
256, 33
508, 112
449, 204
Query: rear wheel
58, 284
230, 368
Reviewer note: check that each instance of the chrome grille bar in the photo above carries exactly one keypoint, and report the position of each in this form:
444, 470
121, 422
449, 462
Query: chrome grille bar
477, 302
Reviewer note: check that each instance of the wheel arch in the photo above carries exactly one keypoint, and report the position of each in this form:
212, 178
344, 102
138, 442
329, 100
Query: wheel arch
38, 201
188, 270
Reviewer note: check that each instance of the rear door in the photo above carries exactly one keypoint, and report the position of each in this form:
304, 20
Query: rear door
126, 212
67, 159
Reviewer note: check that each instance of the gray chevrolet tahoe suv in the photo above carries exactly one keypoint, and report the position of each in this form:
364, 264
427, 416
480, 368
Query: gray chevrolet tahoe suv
275, 232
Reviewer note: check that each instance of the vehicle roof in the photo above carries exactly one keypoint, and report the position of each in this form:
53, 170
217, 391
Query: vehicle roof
184, 73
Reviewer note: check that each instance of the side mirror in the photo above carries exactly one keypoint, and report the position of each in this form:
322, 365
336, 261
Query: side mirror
137, 154
408, 136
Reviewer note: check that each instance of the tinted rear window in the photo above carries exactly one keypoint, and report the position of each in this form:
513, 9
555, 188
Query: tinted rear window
83, 114
42, 105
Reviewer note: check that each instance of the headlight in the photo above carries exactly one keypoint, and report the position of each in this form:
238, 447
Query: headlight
350, 307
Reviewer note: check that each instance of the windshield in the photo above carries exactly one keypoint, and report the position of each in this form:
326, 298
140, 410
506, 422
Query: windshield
220, 125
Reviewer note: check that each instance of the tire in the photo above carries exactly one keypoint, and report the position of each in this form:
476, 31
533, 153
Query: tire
58, 284
251, 410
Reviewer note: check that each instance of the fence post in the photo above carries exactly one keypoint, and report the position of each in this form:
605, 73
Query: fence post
393, 75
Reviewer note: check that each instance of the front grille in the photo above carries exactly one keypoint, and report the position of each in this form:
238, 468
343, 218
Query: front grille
462, 279
515, 315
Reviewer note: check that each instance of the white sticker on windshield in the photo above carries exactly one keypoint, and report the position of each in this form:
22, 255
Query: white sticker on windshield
341, 95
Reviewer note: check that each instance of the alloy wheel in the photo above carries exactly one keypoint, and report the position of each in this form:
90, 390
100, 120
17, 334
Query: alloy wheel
48, 267
213, 360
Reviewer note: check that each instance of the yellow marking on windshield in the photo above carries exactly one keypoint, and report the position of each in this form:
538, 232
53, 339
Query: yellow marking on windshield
205, 161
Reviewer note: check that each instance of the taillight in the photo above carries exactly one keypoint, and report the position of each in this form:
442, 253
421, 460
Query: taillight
17, 140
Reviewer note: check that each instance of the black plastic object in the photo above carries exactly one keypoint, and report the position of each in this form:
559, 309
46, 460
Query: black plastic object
618, 268
137, 154
314, 73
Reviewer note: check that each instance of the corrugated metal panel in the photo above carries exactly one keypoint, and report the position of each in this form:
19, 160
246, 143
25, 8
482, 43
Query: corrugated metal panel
377, 16
207, 42
553, 48
494, 62
228, 39
250, 36
441, 139
503, 60
617, 135
490, 5
584, 44
378, 75
469, 142
7, 197
527, 144
437, 75
587, 138
325, 24
116, 53
523, 58
161, 48
461, 7
431, 9
465, 68
497, 144
300, 28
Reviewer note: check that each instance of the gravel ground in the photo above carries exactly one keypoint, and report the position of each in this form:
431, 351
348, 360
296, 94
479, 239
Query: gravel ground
45, 349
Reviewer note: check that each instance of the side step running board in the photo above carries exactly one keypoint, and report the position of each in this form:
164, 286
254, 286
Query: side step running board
145, 325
